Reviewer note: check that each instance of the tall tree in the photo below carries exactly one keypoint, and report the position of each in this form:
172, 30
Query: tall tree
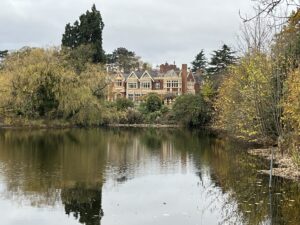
126, 59
221, 59
86, 31
199, 64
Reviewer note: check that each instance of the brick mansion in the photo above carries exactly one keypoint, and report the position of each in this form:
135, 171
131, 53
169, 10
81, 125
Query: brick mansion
168, 81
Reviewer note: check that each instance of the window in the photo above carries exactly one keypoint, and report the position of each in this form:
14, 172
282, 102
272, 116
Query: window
146, 85
168, 83
119, 83
157, 85
172, 84
175, 83
132, 85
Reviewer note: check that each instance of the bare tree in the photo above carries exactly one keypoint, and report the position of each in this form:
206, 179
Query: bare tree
280, 9
255, 35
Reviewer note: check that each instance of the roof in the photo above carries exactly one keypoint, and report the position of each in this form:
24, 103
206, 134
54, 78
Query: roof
152, 73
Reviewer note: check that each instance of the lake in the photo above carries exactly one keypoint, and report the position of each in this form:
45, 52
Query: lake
137, 177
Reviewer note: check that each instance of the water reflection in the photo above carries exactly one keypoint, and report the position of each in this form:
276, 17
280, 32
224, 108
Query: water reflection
101, 176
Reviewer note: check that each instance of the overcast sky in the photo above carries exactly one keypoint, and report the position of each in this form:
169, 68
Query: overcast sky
157, 30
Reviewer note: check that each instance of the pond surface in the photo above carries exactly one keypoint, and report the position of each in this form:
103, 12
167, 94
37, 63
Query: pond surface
136, 177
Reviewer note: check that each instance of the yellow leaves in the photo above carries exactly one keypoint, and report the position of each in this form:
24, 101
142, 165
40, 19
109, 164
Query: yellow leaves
244, 97
292, 101
40, 83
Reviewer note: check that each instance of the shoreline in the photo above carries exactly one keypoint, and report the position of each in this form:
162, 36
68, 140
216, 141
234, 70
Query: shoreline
146, 125
55, 126
283, 164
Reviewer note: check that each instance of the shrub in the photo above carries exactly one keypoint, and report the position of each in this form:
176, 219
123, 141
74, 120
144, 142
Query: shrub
134, 117
191, 110
153, 102
123, 104
153, 117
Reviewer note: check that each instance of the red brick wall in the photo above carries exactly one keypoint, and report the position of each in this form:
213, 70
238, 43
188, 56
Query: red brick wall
184, 78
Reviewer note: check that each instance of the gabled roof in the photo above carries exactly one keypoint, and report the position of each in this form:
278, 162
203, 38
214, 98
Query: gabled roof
171, 73
191, 76
119, 74
146, 73
153, 73
133, 74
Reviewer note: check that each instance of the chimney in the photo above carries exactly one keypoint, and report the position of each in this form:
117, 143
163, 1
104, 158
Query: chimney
184, 78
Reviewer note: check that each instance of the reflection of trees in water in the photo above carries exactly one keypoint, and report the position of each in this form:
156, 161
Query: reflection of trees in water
235, 174
84, 204
39, 163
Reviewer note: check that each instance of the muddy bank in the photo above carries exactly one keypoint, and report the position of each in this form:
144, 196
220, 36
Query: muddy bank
283, 164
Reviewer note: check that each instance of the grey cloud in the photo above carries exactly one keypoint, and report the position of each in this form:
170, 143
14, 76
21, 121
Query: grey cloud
157, 30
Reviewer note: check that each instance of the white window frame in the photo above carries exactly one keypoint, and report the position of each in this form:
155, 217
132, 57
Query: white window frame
119, 83
146, 85
132, 85
172, 84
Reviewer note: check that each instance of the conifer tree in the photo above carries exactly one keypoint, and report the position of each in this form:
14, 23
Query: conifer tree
199, 64
86, 31
126, 59
221, 59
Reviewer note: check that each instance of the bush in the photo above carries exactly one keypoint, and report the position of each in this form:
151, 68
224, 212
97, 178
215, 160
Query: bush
124, 103
153, 117
130, 116
192, 110
153, 102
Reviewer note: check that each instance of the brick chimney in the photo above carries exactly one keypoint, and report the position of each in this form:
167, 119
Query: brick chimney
184, 78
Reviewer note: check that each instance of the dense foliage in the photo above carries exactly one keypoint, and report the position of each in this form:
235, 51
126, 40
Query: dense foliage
86, 31
39, 84
245, 100
292, 114
221, 59
192, 110
199, 64
124, 103
153, 102
127, 60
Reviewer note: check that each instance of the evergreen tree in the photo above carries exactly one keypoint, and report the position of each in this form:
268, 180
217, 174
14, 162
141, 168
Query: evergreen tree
221, 59
126, 59
199, 64
86, 31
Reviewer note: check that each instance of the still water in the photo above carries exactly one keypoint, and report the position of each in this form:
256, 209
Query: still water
136, 177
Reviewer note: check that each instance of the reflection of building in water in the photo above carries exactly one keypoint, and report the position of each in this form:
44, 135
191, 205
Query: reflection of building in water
84, 204
142, 151
70, 167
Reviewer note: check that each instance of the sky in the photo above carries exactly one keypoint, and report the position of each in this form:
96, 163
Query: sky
157, 30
